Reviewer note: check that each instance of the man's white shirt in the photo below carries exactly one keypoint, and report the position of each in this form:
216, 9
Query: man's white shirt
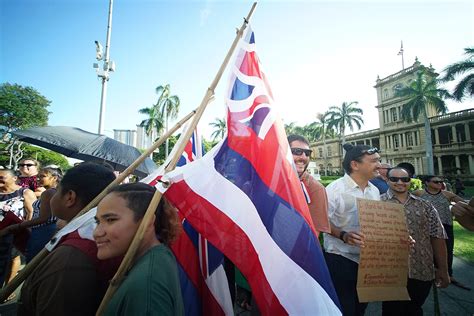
343, 213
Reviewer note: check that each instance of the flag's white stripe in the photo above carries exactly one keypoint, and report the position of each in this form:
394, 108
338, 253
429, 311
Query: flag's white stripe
220, 289
297, 291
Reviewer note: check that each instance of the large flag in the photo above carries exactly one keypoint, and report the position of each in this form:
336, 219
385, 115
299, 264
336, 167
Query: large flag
245, 198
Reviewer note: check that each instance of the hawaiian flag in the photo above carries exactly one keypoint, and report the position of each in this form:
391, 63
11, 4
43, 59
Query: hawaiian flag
245, 198
204, 284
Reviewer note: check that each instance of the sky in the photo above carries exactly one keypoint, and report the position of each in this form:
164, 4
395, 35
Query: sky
316, 54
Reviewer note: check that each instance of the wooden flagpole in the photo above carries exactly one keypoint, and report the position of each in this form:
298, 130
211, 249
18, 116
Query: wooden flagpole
130, 255
26, 271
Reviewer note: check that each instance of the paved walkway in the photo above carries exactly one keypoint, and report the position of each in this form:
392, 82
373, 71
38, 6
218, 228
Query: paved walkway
453, 300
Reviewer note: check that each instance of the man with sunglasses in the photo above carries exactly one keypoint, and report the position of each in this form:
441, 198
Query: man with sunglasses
314, 192
425, 227
441, 201
361, 163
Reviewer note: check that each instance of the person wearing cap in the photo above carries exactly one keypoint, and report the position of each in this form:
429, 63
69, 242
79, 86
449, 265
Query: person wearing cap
425, 227
361, 163
314, 192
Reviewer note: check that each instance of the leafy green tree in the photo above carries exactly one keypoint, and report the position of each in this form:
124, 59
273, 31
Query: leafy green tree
465, 87
22, 107
44, 156
169, 106
348, 115
220, 128
420, 94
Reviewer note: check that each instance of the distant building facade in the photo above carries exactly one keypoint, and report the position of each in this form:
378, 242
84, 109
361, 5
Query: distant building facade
452, 134
136, 138
126, 136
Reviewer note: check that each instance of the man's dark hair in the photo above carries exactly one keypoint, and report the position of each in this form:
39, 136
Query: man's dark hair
87, 180
408, 167
428, 178
353, 153
397, 168
292, 138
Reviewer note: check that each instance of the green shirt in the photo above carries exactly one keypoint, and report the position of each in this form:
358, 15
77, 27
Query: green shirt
151, 287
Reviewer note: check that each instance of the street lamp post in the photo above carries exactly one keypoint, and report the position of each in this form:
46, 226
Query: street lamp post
108, 66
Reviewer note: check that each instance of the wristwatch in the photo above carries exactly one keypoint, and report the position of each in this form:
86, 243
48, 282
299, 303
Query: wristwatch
342, 234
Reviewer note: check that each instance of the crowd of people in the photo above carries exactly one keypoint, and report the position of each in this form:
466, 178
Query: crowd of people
36, 202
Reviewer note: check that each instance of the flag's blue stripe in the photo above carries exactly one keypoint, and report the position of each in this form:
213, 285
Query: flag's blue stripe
285, 225
240, 90
191, 299
214, 256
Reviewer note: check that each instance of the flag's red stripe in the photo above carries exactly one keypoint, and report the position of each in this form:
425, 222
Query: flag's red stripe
185, 253
230, 239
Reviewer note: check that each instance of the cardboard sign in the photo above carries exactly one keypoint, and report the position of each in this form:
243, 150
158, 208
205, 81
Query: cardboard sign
383, 266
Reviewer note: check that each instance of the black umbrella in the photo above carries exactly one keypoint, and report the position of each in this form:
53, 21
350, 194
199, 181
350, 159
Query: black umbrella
77, 143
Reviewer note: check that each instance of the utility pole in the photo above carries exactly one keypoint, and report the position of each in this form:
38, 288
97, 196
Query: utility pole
108, 66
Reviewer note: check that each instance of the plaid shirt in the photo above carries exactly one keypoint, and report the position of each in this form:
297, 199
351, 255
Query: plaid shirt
423, 224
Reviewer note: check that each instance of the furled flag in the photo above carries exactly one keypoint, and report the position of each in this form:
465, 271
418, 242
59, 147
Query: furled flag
245, 198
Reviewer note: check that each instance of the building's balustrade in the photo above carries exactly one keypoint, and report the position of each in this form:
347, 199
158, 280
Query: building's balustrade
454, 115
395, 75
372, 132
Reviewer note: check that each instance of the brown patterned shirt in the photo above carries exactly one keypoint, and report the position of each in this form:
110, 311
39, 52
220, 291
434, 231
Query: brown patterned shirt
423, 224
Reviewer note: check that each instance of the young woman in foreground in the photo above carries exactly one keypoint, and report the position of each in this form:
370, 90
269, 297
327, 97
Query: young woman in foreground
152, 284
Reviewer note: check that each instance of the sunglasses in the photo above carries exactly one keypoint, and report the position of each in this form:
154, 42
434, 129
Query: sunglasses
396, 179
437, 181
370, 151
26, 165
300, 151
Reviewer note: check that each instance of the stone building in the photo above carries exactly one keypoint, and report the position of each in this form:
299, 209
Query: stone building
452, 134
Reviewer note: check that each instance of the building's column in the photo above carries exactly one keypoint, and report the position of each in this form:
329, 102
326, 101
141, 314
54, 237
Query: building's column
467, 131
436, 136
455, 136
471, 164
458, 164
440, 166
416, 165
420, 163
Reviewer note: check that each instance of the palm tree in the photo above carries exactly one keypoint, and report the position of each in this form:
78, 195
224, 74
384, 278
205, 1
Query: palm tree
323, 121
153, 122
466, 85
220, 127
346, 115
420, 94
169, 107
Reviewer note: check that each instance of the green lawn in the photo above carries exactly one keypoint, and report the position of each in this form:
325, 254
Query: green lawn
463, 243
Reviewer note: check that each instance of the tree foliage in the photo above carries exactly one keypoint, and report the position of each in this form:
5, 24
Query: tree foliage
420, 94
220, 128
465, 87
22, 107
347, 115
44, 156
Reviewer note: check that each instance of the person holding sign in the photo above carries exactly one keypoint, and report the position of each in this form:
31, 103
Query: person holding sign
425, 226
361, 164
